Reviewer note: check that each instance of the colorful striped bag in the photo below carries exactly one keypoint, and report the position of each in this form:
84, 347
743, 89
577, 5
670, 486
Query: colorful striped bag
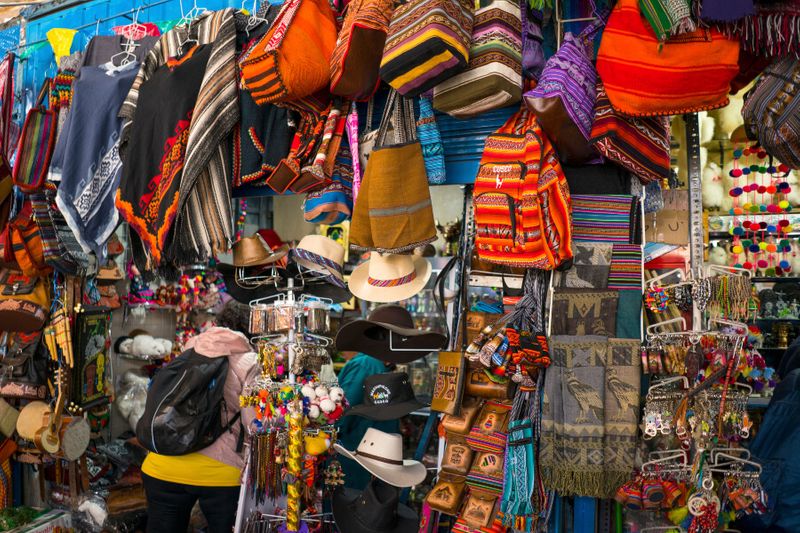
521, 198
690, 72
638, 144
357, 56
35, 145
293, 59
428, 42
493, 78
772, 111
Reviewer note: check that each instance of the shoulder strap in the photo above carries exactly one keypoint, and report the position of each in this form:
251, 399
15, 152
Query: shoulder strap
43, 92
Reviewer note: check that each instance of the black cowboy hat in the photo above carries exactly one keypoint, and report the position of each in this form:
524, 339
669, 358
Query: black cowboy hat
376, 508
389, 334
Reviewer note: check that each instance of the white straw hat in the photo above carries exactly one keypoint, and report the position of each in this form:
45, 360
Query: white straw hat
389, 277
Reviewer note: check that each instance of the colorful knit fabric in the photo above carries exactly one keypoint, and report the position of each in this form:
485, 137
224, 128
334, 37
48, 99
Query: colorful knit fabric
626, 267
486, 473
646, 77
428, 42
431, 141
493, 77
521, 198
602, 218
668, 17
638, 144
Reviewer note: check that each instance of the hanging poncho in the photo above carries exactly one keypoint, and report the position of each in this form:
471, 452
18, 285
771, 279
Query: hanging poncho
86, 158
148, 194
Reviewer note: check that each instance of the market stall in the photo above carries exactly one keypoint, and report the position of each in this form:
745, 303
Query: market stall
375, 266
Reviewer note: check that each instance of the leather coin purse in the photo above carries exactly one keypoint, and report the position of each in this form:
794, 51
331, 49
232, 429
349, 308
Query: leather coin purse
446, 496
457, 455
461, 424
479, 384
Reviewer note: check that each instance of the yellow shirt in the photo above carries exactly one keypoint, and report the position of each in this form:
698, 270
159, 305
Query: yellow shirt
192, 469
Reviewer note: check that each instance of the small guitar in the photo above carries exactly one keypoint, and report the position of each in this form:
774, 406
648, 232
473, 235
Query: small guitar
48, 437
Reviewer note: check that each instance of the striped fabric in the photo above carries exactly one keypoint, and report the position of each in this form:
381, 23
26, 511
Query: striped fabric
493, 77
431, 141
521, 199
667, 17
772, 111
602, 218
205, 191
428, 42
35, 149
639, 144
626, 267
690, 72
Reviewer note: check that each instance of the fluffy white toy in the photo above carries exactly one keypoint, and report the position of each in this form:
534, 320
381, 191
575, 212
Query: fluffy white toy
336, 394
712, 184
309, 392
718, 255
132, 397
321, 391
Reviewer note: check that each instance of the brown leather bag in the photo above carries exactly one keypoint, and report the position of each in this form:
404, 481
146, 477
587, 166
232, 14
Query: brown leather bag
481, 385
449, 386
24, 301
461, 423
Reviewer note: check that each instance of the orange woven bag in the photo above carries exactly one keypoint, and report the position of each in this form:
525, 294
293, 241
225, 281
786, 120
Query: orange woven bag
691, 72
293, 59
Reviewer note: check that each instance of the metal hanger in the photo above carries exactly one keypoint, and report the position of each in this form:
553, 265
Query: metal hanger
727, 270
663, 383
651, 329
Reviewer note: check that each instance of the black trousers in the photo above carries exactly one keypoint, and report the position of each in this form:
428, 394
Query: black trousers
169, 506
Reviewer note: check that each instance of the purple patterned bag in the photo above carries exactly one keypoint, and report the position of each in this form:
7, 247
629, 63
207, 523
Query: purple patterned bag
532, 50
564, 98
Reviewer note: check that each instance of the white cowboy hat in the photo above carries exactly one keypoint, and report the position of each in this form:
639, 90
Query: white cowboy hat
323, 255
389, 277
382, 455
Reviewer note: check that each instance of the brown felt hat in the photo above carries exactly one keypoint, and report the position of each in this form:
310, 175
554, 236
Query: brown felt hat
254, 251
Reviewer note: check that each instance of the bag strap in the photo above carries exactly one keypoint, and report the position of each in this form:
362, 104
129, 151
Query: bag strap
401, 111
370, 112
44, 91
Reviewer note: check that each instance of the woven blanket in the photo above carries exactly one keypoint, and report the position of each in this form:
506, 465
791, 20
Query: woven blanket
590, 267
626, 267
584, 312
589, 415
602, 218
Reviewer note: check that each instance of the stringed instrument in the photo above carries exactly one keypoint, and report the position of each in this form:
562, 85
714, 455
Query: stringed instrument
30, 419
48, 437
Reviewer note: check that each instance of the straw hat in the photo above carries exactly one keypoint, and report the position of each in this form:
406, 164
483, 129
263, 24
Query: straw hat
254, 251
323, 255
389, 277
382, 455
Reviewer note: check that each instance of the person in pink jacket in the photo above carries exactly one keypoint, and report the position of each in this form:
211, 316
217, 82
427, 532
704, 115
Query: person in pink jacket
212, 476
